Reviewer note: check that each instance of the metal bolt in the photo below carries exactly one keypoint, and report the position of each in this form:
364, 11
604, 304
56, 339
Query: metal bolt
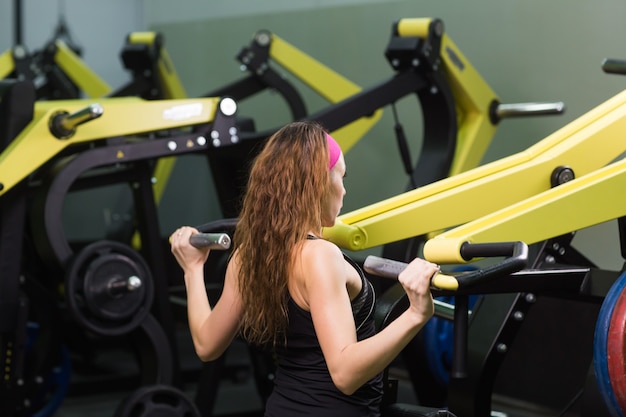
530, 298
261, 70
438, 29
134, 282
263, 38
123, 286
201, 140
518, 315
228, 106
19, 51
171, 145
502, 348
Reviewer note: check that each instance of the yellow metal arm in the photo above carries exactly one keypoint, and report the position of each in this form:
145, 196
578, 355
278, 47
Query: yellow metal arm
327, 83
67, 60
121, 117
585, 145
583, 202
168, 77
172, 88
6, 63
80, 74
472, 95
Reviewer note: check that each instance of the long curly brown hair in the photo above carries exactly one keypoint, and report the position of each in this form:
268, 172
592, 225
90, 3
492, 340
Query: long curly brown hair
287, 185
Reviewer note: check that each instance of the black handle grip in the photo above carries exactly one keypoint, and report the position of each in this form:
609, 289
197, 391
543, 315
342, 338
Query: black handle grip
221, 225
614, 66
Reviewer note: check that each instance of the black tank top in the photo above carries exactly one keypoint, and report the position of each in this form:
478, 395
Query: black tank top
303, 386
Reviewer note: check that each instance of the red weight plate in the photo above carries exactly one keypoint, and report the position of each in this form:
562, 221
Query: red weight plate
616, 351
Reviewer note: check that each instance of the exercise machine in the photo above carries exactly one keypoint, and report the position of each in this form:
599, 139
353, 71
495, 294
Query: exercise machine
549, 219
575, 195
579, 148
67, 151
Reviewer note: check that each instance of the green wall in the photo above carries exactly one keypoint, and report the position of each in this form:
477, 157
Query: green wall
527, 51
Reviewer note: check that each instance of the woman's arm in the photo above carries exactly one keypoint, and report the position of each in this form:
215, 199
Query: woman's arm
353, 363
212, 329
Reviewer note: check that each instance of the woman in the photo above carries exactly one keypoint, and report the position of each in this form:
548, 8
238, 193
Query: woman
288, 288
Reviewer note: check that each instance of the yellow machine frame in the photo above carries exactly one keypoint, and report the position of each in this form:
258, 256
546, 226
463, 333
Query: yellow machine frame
36, 145
583, 202
584, 145
474, 98
329, 84
71, 64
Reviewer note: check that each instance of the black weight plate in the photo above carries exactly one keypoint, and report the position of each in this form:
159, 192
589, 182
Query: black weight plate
98, 277
157, 401
86, 304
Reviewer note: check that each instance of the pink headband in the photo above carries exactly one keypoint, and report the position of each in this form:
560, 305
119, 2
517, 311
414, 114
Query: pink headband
334, 151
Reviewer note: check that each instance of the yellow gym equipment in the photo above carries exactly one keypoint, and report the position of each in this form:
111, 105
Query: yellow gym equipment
579, 148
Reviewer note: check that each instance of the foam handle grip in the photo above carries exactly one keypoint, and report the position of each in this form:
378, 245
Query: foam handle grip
388, 268
382, 267
219, 241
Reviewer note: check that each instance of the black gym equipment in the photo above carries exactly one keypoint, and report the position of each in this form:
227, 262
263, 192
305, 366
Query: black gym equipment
157, 400
461, 285
480, 352
108, 288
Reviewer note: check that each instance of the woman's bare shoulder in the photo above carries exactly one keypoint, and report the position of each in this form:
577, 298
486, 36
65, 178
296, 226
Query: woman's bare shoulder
316, 250
319, 272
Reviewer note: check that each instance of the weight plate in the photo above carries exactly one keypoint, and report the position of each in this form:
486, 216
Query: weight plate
89, 288
157, 400
600, 345
101, 274
615, 351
